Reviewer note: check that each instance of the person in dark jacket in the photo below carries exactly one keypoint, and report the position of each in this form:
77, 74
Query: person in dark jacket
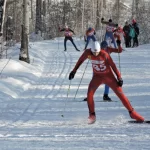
127, 38
136, 28
68, 36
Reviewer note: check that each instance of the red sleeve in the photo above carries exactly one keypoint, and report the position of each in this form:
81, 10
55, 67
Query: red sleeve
82, 58
113, 66
114, 50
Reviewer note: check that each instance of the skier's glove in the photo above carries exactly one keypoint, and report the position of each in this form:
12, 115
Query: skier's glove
120, 82
102, 19
118, 42
71, 75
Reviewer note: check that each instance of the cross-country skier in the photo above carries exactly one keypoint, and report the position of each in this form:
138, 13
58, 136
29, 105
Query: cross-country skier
90, 34
68, 36
103, 73
118, 33
109, 50
110, 26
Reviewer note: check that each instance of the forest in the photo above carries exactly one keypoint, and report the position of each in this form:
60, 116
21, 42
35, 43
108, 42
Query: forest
21, 18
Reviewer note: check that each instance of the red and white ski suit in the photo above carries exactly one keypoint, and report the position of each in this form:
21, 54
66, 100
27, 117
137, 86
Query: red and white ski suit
103, 73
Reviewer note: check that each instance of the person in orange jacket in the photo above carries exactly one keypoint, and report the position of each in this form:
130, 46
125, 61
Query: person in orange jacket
103, 73
118, 33
90, 34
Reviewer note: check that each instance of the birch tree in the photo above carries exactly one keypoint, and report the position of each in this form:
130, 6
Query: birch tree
24, 54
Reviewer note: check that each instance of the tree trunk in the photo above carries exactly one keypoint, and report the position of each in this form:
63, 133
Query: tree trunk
38, 17
24, 55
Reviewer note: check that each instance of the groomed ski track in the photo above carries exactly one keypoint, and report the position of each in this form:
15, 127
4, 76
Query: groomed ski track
31, 116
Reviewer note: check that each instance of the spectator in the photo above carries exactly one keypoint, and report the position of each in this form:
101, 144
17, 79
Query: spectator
127, 38
136, 28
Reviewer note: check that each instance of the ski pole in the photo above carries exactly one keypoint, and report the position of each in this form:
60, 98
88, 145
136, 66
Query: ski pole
66, 99
81, 80
119, 61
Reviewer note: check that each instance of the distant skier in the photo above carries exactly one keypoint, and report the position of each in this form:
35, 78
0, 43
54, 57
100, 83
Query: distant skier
118, 33
68, 36
90, 34
110, 26
103, 73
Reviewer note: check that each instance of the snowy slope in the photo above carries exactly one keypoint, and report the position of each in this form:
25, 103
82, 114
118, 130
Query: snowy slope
33, 98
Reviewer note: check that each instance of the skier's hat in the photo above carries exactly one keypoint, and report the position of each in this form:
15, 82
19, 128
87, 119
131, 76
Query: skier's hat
95, 47
110, 20
66, 27
133, 21
104, 44
90, 28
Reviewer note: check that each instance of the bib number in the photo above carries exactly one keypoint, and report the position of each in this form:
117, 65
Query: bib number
99, 67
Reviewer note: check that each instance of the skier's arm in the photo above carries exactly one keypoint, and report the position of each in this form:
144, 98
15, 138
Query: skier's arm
71, 31
115, 50
83, 57
104, 22
62, 29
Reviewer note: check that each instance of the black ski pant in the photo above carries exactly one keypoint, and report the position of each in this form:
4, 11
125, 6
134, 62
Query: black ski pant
135, 41
69, 38
127, 41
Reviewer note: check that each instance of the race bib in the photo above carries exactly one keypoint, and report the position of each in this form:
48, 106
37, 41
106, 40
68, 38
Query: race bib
109, 28
99, 66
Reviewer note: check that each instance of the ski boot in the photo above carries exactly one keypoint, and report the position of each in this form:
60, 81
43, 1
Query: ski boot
106, 98
85, 99
135, 115
91, 118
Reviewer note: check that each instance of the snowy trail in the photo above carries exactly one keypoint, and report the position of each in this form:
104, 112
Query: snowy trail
32, 120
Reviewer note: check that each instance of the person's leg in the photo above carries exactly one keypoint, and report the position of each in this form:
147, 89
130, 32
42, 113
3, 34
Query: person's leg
70, 38
106, 92
94, 84
106, 37
112, 83
87, 41
125, 39
93, 38
113, 40
65, 40
133, 42
129, 41
136, 41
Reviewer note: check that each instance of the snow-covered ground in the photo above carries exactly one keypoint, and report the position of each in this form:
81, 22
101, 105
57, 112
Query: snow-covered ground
35, 96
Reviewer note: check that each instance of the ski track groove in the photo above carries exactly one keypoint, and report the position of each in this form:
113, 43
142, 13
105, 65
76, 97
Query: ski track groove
18, 119
59, 77
15, 120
